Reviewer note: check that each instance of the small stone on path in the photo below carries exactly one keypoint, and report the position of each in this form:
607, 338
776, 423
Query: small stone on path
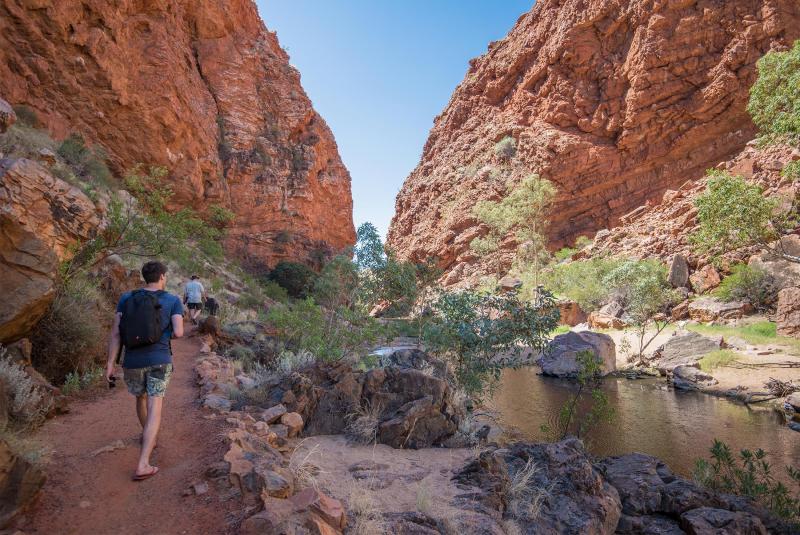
116, 445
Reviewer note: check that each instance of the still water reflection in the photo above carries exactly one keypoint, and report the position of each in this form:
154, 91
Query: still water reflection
675, 426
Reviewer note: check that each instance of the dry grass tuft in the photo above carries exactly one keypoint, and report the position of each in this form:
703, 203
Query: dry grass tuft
304, 471
366, 517
525, 498
424, 505
362, 425
28, 403
511, 527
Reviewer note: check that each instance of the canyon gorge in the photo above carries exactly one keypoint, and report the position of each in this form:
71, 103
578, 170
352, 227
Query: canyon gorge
614, 102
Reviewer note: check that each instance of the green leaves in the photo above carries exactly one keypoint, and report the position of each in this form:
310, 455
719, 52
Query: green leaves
775, 97
734, 213
472, 329
751, 476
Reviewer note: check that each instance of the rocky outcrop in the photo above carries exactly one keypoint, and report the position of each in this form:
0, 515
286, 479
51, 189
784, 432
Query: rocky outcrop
41, 217
708, 309
7, 116
559, 359
556, 488
202, 88
661, 228
685, 349
787, 315
410, 408
20, 482
615, 102
571, 495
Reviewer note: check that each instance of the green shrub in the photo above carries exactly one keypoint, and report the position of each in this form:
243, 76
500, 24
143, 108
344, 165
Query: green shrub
751, 476
506, 148
76, 381
71, 336
87, 162
582, 281
775, 97
26, 117
243, 354
327, 334
733, 213
297, 279
564, 253
22, 141
219, 216
752, 284
275, 291
471, 329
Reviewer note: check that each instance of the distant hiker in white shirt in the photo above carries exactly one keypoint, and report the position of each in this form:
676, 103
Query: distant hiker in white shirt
193, 295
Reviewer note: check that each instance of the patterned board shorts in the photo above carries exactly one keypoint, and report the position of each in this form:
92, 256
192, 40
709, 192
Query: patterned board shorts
152, 380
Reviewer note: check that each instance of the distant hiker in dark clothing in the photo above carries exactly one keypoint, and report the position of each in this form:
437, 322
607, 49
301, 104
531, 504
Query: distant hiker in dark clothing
193, 295
212, 307
145, 321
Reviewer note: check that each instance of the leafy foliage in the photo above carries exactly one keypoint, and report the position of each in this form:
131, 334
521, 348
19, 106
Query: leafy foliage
752, 284
733, 213
775, 97
296, 278
641, 287
525, 209
87, 161
582, 281
470, 329
570, 419
327, 334
506, 148
750, 475
144, 227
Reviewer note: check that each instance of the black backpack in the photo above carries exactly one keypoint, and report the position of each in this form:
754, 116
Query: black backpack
141, 319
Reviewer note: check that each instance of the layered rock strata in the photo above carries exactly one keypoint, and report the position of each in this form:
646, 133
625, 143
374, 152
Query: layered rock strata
198, 86
613, 101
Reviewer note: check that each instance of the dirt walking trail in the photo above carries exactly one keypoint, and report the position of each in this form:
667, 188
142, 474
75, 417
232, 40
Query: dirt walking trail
88, 494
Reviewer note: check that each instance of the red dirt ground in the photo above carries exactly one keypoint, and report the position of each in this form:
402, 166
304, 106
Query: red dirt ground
88, 494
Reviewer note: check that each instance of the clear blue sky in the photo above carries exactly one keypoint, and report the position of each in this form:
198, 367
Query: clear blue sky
379, 71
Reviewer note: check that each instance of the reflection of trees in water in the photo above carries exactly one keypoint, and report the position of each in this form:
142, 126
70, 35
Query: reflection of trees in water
678, 427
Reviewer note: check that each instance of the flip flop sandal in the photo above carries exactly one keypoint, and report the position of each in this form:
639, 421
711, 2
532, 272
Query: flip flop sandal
142, 477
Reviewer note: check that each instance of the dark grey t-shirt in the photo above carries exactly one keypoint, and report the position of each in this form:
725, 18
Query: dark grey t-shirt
158, 353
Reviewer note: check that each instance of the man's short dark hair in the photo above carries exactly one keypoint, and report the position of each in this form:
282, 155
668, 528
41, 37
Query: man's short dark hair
152, 271
195, 277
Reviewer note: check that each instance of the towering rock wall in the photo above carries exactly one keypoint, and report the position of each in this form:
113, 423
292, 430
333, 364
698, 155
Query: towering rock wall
615, 101
199, 86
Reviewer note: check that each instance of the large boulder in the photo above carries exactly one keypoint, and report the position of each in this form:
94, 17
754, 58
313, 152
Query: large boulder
705, 279
20, 482
7, 116
787, 315
411, 408
559, 359
785, 273
601, 320
691, 378
571, 313
685, 349
573, 496
114, 278
654, 500
678, 271
41, 217
707, 309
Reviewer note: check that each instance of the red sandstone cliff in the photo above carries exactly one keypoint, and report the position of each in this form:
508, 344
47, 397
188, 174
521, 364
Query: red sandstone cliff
199, 86
615, 101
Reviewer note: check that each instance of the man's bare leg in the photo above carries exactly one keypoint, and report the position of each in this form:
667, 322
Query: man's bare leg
141, 409
150, 433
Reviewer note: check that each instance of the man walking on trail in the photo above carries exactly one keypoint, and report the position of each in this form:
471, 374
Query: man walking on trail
145, 321
193, 295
